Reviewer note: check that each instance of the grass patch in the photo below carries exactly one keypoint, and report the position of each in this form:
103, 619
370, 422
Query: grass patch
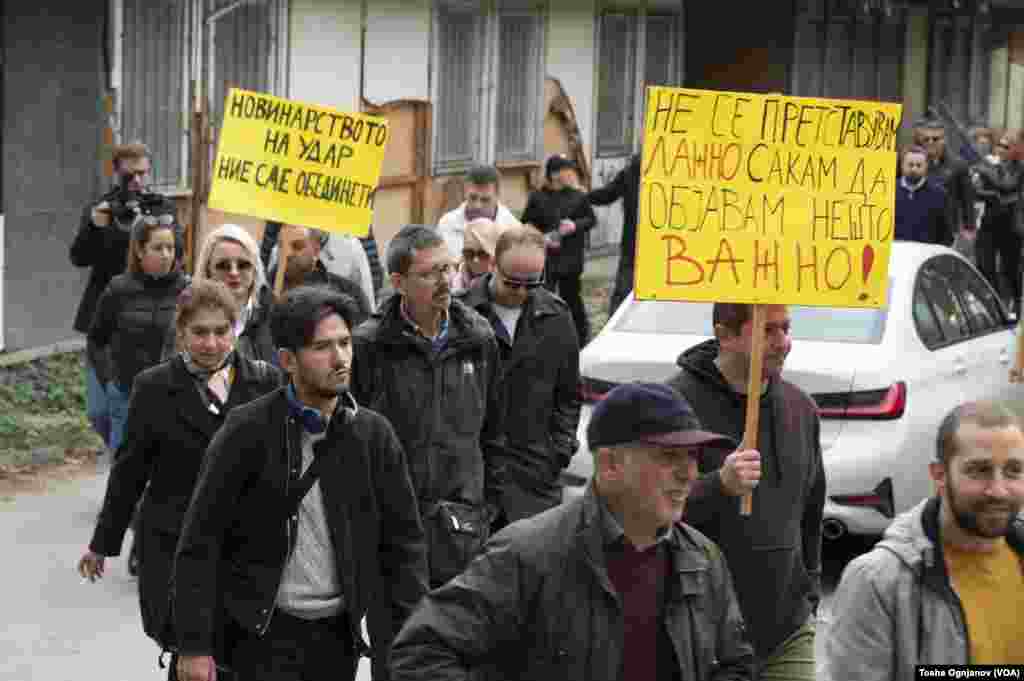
42, 405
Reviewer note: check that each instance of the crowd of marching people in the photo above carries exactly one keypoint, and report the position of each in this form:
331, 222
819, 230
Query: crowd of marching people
314, 443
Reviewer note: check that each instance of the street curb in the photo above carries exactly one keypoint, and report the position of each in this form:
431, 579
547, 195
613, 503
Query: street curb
29, 354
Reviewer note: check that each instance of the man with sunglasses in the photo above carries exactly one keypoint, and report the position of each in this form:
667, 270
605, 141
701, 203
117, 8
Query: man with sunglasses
430, 364
950, 173
540, 361
102, 245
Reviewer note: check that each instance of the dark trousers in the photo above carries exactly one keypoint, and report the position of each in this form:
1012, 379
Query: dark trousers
294, 649
623, 284
998, 237
569, 287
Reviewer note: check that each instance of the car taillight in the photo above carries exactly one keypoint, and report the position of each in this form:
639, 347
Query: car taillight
593, 389
879, 405
879, 499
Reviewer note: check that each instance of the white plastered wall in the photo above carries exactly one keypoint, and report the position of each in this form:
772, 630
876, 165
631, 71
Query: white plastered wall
397, 50
324, 59
572, 59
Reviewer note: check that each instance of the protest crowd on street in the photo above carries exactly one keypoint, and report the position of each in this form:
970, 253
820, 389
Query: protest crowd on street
334, 434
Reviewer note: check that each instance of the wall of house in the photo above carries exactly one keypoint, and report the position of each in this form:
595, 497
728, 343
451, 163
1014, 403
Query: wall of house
51, 144
572, 59
324, 63
397, 50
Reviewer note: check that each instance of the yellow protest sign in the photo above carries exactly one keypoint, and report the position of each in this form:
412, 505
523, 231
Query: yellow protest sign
753, 198
298, 163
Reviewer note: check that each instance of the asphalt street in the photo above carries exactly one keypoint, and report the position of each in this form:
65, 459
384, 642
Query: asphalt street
58, 627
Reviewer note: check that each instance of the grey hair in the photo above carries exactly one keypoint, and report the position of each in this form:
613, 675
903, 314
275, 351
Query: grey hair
407, 243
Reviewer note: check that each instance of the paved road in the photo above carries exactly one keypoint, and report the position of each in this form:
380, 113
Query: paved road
55, 626
59, 628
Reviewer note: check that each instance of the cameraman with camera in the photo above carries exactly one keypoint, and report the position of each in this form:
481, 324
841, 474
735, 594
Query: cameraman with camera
102, 244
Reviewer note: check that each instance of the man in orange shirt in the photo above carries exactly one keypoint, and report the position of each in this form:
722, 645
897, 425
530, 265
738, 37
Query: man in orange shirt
946, 583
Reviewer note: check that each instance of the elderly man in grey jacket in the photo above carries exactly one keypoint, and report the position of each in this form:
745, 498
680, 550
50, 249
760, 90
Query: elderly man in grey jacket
946, 584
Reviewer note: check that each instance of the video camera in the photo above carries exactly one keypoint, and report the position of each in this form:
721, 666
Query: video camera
126, 205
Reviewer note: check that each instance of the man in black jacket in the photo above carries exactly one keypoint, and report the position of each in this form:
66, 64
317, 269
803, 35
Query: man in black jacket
626, 186
102, 245
775, 552
563, 214
302, 521
430, 364
610, 586
305, 268
540, 361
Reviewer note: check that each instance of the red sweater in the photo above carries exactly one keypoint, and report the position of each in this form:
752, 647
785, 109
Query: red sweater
639, 577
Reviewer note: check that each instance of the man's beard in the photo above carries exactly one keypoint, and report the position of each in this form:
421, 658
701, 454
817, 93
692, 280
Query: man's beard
968, 518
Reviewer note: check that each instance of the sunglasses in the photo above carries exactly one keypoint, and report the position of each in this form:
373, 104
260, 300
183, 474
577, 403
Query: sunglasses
470, 254
228, 265
528, 284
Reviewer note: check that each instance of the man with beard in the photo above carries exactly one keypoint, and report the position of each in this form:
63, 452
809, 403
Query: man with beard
946, 584
775, 552
920, 203
481, 192
305, 267
303, 520
102, 245
431, 365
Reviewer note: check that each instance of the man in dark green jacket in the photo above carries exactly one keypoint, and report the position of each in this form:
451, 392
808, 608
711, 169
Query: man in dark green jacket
776, 551
611, 586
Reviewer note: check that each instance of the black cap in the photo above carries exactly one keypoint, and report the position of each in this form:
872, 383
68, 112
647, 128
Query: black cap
648, 412
556, 163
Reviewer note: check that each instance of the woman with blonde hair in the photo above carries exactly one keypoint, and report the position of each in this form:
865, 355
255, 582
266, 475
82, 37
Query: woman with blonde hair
480, 239
230, 255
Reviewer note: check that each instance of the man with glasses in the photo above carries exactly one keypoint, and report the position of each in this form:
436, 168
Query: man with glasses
431, 365
540, 361
946, 584
102, 245
482, 185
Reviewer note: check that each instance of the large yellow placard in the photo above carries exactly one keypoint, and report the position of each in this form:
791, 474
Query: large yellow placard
298, 163
752, 198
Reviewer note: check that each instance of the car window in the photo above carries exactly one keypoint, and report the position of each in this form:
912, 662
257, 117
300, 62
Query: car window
825, 324
950, 315
925, 321
979, 300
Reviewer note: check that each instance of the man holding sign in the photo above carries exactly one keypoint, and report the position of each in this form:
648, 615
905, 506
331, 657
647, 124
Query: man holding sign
774, 553
755, 202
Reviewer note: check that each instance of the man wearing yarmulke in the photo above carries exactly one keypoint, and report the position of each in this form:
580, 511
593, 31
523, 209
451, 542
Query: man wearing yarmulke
609, 586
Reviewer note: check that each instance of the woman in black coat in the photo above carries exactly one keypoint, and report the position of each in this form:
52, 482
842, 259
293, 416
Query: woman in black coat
174, 411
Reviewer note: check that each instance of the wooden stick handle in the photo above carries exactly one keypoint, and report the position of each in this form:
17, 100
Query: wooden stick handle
283, 242
1017, 375
754, 387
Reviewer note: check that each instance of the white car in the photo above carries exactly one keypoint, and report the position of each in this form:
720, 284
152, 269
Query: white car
883, 379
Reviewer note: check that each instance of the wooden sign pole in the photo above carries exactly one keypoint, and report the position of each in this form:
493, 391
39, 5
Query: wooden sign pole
754, 388
283, 243
1017, 374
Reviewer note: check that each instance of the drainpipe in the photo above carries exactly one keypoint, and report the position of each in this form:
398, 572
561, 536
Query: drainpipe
363, 23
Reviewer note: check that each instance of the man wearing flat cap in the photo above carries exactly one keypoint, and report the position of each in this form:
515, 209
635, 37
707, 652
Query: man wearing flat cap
611, 586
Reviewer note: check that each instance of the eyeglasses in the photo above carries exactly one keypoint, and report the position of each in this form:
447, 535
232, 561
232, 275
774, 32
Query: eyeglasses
227, 265
528, 284
437, 274
470, 254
